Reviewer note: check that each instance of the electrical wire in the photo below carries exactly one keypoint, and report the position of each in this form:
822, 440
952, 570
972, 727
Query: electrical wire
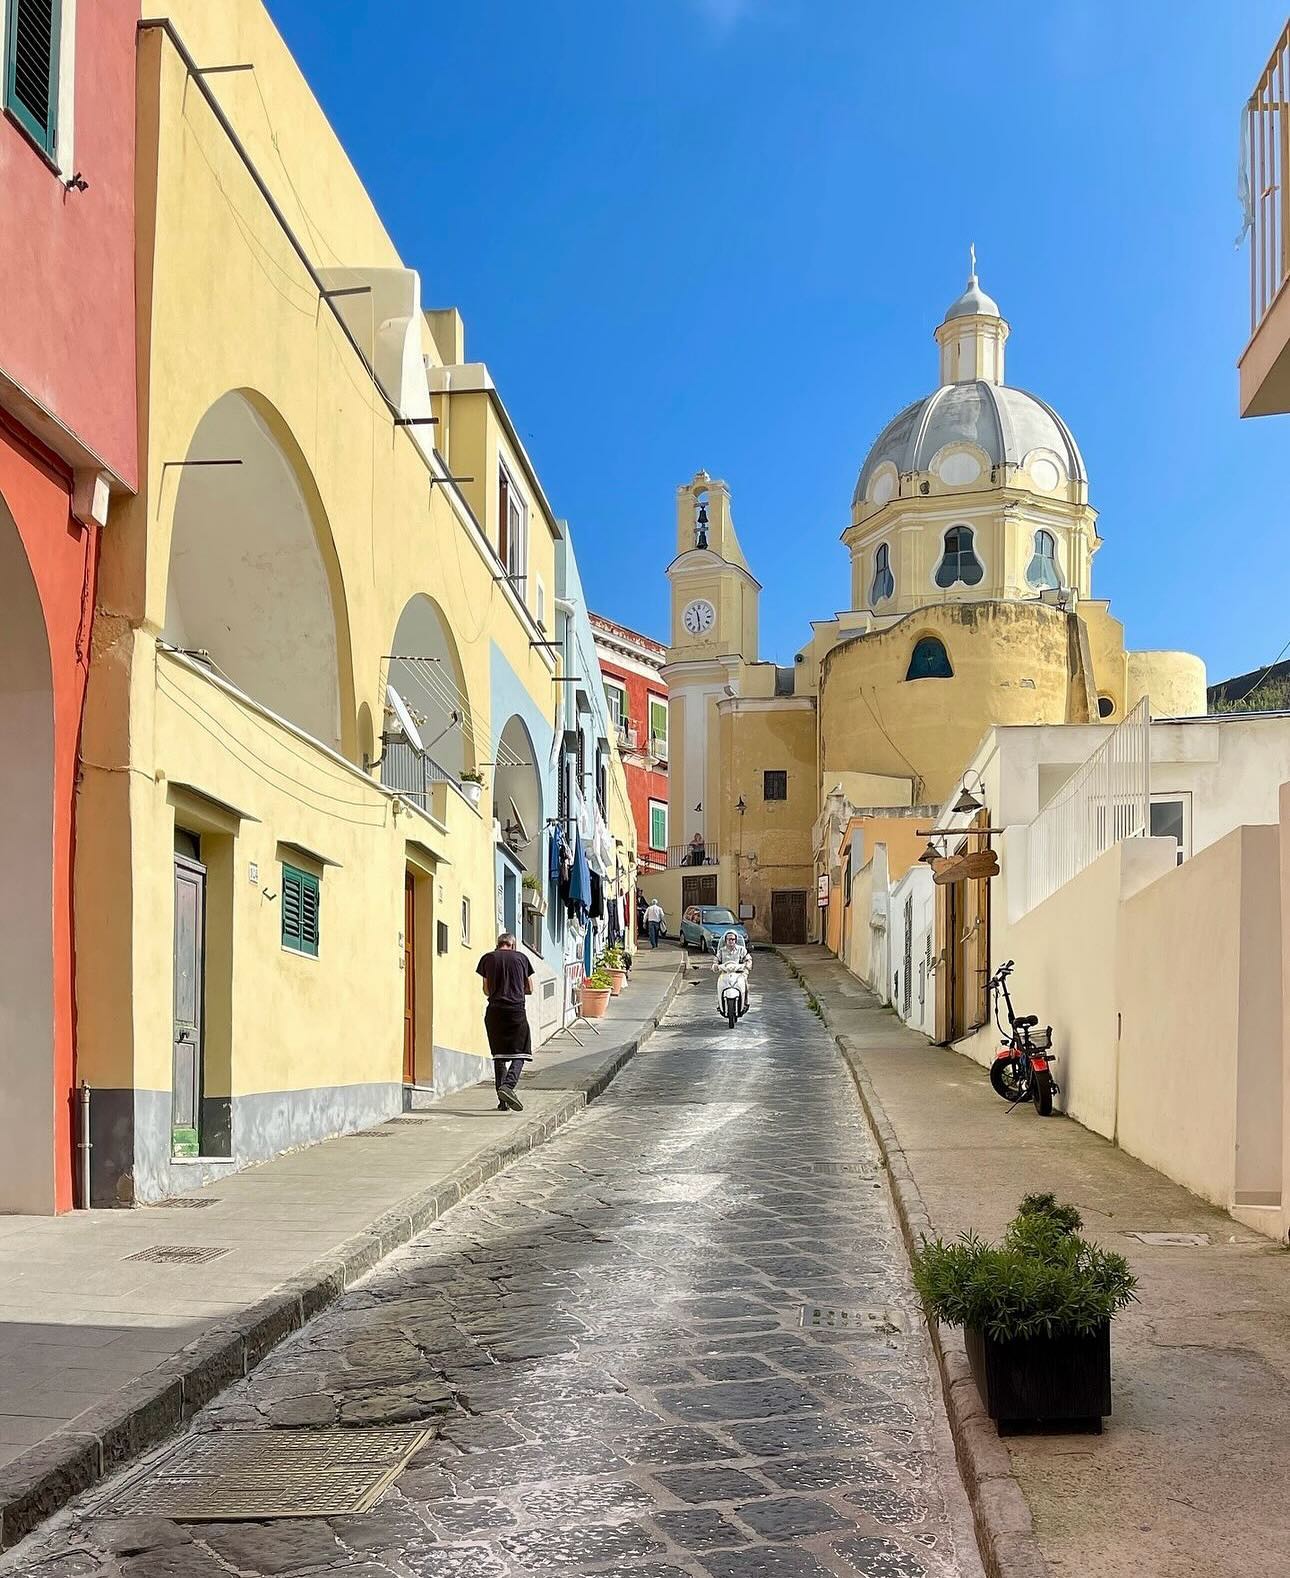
1263, 678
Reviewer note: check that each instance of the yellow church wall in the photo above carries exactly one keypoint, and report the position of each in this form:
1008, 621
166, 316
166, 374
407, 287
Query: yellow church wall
1175, 682
226, 305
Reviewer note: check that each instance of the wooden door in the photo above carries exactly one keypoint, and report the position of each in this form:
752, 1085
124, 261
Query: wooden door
186, 1059
788, 915
698, 890
409, 979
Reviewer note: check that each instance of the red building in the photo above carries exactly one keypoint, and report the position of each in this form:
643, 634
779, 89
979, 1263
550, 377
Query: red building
630, 666
67, 444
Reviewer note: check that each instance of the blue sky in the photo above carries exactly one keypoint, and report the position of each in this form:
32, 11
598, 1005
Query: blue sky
719, 234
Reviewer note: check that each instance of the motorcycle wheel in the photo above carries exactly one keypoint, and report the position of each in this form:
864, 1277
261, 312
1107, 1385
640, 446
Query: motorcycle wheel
1003, 1078
1041, 1092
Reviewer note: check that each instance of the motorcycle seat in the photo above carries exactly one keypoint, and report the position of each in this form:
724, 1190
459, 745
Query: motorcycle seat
1026, 1020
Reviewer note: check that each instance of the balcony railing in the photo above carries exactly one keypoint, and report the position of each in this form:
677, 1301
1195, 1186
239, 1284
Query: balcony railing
1104, 802
411, 773
658, 747
692, 855
1265, 165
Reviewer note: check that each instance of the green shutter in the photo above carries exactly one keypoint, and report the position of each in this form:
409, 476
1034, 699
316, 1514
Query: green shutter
32, 39
657, 827
299, 911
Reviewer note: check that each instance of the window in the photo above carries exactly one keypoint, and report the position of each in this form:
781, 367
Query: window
512, 526
299, 911
616, 696
1105, 706
657, 824
541, 603
658, 725
774, 786
884, 582
33, 42
959, 562
465, 923
929, 660
602, 782
1169, 818
1042, 570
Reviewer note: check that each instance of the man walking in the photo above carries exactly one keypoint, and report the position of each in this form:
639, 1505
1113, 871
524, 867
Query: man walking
653, 921
508, 979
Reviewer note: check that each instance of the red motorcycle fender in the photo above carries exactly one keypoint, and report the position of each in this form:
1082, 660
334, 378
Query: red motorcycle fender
1004, 1052
1038, 1062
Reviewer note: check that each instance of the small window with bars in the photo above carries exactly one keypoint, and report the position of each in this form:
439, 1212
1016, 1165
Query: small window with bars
775, 785
300, 894
32, 41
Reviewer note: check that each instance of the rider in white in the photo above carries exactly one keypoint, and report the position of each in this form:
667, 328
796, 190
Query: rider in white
732, 958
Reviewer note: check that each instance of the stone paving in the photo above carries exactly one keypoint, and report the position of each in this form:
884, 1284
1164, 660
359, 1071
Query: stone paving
623, 1347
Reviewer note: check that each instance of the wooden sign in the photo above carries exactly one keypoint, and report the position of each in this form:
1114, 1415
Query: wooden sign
965, 868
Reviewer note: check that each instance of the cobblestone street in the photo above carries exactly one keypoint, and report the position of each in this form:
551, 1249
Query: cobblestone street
678, 1339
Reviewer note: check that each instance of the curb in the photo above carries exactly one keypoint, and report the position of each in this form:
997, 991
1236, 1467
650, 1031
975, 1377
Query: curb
1004, 1526
143, 1413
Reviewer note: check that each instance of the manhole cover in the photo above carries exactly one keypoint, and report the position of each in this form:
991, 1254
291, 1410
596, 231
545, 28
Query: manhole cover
819, 1317
183, 1203
1172, 1240
179, 1254
223, 1475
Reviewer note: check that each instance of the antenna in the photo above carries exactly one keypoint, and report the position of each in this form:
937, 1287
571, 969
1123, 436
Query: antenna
400, 709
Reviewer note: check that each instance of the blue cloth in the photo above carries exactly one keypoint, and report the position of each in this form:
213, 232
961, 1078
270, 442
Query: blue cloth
553, 864
579, 880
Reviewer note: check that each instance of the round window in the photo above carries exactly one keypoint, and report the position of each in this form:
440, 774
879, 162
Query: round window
1105, 706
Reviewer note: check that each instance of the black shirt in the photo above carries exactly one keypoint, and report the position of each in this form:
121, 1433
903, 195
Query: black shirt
505, 970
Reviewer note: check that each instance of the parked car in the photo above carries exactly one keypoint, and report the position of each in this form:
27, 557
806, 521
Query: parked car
704, 925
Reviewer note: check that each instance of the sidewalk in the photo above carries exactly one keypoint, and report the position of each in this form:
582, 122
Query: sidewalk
1192, 1475
103, 1353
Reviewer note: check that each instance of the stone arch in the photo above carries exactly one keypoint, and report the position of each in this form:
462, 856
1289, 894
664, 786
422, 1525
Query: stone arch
27, 1117
425, 668
253, 576
518, 789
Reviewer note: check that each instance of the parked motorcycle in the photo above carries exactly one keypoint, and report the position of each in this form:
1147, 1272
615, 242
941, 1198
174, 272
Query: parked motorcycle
1022, 1067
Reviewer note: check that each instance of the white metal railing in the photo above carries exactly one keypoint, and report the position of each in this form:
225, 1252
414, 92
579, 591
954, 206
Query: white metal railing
1265, 179
1104, 802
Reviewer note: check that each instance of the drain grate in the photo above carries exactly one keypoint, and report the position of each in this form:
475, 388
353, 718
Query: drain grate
223, 1475
1172, 1240
417, 1122
366, 1134
837, 1169
179, 1254
184, 1202
819, 1317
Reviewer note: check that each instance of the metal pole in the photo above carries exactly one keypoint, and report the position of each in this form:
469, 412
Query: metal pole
84, 1146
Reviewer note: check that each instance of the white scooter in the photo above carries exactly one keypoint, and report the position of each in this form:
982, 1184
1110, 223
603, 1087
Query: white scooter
732, 992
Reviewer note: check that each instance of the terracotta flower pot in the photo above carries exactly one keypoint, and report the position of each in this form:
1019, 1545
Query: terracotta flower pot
595, 999
618, 978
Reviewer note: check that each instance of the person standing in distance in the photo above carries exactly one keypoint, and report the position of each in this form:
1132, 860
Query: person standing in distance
653, 920
507, 976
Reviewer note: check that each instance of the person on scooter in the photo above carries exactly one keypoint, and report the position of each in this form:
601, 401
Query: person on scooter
732, 956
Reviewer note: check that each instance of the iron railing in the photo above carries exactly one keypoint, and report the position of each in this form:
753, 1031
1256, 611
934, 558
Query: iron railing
705, 854
411, 773
1104, 802
1265, 164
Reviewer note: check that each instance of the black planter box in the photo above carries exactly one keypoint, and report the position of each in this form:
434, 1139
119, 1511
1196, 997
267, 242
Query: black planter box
1064, 1381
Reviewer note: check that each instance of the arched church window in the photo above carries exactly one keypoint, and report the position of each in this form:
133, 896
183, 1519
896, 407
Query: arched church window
959, 561
1042, 570
884, 582
929, 660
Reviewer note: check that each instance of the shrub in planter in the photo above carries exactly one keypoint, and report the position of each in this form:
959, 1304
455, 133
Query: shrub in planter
533, 897
597, 989
614, 966
472, 785
1036, 1312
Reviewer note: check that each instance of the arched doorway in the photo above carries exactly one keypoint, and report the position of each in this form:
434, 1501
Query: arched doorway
252, 571
517, 811
27, 1164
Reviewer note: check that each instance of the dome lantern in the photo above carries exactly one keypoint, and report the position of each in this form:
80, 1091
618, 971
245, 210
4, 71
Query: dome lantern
971, 335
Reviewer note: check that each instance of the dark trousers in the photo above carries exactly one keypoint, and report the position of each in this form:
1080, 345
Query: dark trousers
652, 928
507, 1071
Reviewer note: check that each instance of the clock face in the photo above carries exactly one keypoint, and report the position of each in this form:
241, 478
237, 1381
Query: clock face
699, 617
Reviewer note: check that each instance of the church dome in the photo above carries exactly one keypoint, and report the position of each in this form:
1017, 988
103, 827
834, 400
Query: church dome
973, 303
1005, 423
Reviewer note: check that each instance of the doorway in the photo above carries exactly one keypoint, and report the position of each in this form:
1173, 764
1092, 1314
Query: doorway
189, 993
788, 915
409, 979
698, 890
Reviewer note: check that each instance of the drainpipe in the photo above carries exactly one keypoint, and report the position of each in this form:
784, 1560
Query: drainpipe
84, 1146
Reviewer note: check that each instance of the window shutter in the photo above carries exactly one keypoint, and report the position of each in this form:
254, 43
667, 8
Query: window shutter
291, 907
503, 516
31, 72
309, 915
300, 911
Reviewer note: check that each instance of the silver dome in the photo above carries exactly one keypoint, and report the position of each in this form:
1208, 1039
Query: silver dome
973, 303
1006, 423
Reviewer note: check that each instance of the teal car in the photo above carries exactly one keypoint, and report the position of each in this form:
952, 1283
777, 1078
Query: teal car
704, 925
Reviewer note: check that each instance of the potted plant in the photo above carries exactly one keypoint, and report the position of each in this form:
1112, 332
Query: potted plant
614, 966
472, 786
1036, 1312
532, 895
597, 989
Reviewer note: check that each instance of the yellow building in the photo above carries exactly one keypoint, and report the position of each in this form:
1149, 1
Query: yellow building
336, 606
971, 540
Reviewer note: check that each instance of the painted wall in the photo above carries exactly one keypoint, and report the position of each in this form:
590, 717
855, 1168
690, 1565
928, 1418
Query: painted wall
644, 779
67, 262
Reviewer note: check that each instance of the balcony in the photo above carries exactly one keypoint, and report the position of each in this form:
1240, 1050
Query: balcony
413, 773
658, 748
691, 855
1265, 361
